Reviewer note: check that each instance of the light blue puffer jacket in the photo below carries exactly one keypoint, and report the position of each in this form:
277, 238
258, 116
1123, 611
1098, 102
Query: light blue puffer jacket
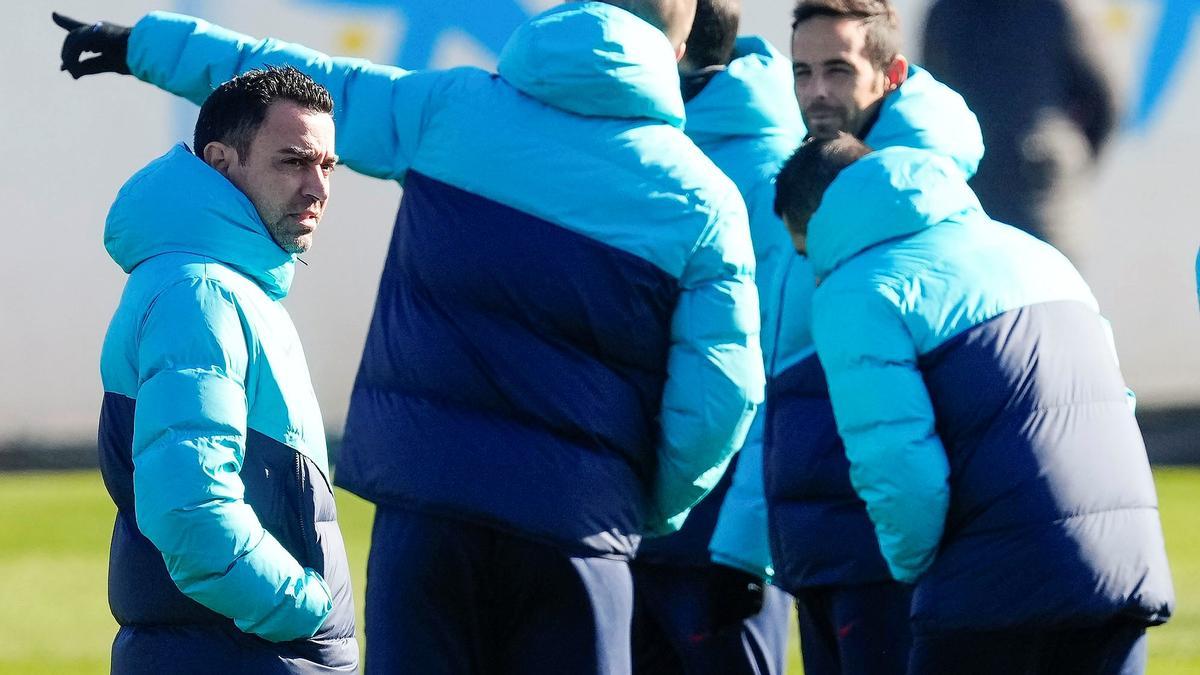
878, 308
580, 130
922, 113
985, 418
211, 438
746, 121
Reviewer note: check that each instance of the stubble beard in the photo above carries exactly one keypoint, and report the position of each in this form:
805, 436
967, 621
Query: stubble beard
286, 234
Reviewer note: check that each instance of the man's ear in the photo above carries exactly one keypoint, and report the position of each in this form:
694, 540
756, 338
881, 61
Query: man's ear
897, 72
680, 52
220, 157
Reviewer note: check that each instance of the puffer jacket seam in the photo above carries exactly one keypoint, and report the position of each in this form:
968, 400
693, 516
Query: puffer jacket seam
1059, 520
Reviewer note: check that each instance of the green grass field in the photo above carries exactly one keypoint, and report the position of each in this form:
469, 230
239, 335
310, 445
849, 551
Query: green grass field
53, 562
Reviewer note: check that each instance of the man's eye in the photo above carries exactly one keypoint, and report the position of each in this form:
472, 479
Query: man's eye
328, 167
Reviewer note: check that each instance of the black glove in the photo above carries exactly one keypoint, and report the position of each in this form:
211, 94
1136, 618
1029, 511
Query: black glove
736, 595
109, 41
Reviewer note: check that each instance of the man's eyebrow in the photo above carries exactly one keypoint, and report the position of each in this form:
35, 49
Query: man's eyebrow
305, 153
837, 61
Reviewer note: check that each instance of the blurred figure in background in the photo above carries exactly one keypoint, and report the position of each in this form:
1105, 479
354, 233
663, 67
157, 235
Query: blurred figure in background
693, 616
849, 75
1032, 71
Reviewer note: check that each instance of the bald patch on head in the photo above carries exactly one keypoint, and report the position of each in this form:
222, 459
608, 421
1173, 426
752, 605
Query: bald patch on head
673, 17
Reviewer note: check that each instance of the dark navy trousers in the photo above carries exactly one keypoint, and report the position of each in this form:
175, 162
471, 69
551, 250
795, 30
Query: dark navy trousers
855, 630
674, 631
1116, 648
449, 597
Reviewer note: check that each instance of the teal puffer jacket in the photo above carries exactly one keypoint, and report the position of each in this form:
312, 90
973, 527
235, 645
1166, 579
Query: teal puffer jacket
212, 443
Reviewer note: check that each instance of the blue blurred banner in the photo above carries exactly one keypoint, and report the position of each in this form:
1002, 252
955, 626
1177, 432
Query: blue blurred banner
1173, 37
488, 22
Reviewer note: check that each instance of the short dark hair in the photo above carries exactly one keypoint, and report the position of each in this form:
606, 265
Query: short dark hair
810, 171
233, 113
879, 16
713, 33
662, 14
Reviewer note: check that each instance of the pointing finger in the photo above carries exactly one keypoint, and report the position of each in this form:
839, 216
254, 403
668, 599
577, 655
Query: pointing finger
66, 22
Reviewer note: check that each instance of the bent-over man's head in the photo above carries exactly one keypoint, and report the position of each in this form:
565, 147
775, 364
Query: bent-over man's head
270, 132
804, 178
845, 58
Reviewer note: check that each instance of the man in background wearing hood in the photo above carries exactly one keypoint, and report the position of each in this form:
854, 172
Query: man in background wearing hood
987, 426
849, 75
226, 555
693, 616
564, 353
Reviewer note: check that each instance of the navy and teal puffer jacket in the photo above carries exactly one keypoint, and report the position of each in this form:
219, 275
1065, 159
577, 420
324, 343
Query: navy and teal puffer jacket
565, 341
984, 416
746, 121
794, 453
226, 552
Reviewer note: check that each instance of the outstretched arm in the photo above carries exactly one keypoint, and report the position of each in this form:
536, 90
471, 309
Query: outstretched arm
379, 110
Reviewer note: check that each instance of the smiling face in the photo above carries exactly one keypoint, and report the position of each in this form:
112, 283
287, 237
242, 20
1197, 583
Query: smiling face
837, 86
286, 172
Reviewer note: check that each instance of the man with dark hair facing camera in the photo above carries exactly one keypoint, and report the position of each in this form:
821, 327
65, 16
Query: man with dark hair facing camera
226, 554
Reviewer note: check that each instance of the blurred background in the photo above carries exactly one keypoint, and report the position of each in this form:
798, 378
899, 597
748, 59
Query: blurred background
1133, 231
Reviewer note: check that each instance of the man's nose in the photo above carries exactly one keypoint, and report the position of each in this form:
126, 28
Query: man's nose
809, 92
316, 183
818, 87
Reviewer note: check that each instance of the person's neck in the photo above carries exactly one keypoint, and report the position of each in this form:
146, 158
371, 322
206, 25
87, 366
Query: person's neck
871, 118
692, 82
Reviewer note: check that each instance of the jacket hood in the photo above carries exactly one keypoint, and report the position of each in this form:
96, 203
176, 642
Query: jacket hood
924, 113
888, 194
595, 59
179, 204
751, 97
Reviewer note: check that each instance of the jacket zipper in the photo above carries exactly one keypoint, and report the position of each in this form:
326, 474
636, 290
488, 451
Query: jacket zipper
303, 505
770, 367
